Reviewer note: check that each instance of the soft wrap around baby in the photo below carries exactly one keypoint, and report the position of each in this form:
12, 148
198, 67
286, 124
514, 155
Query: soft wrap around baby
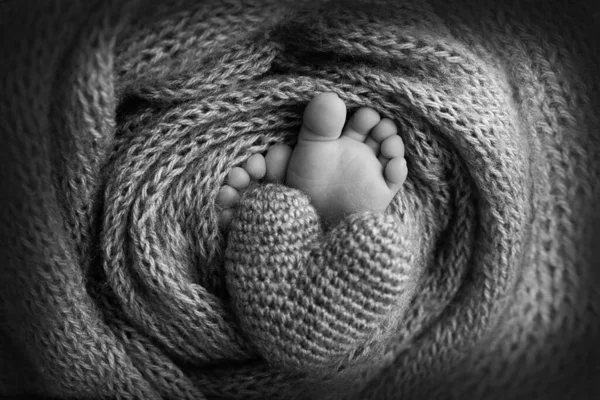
121, 120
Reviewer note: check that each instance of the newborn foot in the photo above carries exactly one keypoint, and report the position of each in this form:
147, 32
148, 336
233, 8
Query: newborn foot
346, 169
343, 169
238, 178
272, 168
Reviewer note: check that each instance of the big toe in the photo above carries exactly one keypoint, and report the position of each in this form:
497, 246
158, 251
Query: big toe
324, 118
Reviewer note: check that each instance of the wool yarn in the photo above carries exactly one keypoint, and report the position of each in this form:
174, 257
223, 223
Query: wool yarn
121, 120
312, 302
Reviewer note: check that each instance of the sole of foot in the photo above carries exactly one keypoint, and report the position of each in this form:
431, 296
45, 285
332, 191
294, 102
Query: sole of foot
342, 167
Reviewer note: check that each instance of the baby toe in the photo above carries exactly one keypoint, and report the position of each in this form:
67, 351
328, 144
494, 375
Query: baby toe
323, 119
225, 218
238, 178
396, 172
383, 130
227, 197
361, 123
392, 147
256, 166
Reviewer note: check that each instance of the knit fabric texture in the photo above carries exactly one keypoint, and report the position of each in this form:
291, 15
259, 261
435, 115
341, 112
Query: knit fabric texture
120, 121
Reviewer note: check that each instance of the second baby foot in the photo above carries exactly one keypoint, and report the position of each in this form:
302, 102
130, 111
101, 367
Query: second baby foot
271, 168
238, 179
348, 168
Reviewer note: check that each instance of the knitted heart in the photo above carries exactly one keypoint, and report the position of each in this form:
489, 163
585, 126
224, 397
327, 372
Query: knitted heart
308, 301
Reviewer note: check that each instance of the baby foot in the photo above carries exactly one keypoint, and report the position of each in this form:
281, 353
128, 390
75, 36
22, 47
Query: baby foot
343, 169
346, 169
272, 168
238, 178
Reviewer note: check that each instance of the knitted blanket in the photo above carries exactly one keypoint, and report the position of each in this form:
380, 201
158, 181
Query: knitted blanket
121, 120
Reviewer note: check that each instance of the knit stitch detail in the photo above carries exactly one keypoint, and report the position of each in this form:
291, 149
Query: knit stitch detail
308, 301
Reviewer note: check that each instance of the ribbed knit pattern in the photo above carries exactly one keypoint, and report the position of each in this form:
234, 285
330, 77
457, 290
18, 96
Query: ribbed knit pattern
120, 121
